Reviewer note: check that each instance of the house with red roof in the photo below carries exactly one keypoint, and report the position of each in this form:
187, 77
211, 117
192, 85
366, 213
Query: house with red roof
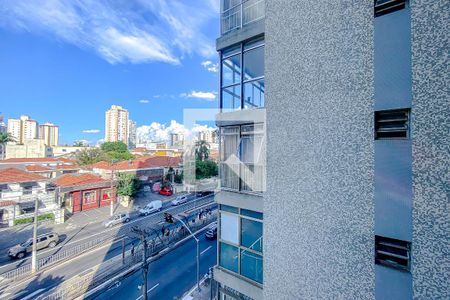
146, 168
49, 167
19, 190
81, 192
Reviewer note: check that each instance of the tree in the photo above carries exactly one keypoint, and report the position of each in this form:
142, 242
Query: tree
178, 177
117, 150
80, 144
205, 169
91, 156
127, 184
201, 150
4, 139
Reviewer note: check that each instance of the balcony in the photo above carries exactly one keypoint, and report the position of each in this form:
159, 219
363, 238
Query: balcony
236, 14
248, 178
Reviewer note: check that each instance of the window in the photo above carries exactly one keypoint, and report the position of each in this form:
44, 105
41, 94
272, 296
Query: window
382, 7
252, 266
89, 197
241, 246
228, 208
392, 124
392, 253
229, 257
242, 82
106, 195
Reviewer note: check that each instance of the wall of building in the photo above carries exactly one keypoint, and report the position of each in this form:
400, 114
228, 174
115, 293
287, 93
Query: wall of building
30, 149
318, 208
430, 149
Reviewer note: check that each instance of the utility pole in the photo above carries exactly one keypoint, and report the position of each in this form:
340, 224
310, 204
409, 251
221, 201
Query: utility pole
111, 204
34, 251
143, 237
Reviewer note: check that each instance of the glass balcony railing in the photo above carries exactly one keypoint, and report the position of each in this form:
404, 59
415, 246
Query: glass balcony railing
243, 177
238, 15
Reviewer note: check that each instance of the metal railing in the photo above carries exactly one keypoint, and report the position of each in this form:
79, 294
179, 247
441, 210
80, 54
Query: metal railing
80, 285
66, 254
243, 177
246, 12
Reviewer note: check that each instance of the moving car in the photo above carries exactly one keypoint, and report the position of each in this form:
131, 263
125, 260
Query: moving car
151, 208
211, 233
43, 241
166, 191
180, 200
117, 219
203, 193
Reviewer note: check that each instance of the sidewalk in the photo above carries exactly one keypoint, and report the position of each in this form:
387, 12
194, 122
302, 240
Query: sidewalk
203, 294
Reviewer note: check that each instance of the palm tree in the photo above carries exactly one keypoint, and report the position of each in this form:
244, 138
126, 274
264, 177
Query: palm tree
5, 138
201, 150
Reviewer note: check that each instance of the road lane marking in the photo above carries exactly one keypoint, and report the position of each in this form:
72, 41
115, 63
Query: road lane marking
30, 296
205, 250
148, 291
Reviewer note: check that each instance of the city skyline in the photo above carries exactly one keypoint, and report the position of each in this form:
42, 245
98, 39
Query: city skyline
145, 83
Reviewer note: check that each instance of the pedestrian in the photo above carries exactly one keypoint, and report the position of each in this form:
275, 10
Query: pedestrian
163, 230
132, 249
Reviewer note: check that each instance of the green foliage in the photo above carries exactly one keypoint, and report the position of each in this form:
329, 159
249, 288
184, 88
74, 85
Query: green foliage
128, 184
201, 150
4, 139
205, 169
91, 156
117, 150
43, 217
178, 178
79, 144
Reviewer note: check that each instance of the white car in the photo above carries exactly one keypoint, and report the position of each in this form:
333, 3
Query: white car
117, 219
180, 200
152, 207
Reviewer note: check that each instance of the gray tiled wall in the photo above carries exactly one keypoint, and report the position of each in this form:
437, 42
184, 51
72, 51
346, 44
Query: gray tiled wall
319, 210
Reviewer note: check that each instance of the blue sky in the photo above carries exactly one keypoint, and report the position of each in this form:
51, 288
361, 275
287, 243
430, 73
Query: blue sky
67, 62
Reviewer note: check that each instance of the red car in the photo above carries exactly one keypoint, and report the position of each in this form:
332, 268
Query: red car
166, 191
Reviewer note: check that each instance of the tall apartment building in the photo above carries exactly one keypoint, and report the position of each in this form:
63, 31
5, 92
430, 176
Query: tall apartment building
356, 121
49, 132
132, 137
3, 128
209, 135
116, 124
23, 129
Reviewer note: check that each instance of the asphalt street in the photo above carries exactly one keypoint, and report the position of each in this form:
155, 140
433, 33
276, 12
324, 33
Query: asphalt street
170, 276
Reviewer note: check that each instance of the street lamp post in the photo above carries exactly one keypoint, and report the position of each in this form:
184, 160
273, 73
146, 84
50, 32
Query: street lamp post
34, 251
198, 249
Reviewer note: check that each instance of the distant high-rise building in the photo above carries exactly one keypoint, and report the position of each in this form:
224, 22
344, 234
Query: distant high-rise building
176, 140
209, 135
49, 133
116, 124
132, 134
3, 127
23, 129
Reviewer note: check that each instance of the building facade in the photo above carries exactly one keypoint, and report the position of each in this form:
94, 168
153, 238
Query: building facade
132, 137
49, 132
33, 148
356, 123
23, 129
116, 124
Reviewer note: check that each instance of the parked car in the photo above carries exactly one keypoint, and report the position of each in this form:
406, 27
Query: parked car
211, 233
19, 251
146, 189
203, 193
117, 219
180, 200
166, 191
151, 208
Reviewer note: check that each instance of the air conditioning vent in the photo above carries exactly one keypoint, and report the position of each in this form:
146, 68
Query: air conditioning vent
392, 124
383, 7
392, 253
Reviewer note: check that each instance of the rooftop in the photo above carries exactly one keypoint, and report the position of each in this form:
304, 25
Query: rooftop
77, 179
145, 162
13, 175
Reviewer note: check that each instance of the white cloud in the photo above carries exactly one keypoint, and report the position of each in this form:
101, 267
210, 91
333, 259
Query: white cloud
200, 95
210, 66
91, 131
144, 101
157, 132
120, 31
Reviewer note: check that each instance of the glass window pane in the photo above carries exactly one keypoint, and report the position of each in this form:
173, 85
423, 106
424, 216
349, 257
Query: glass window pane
251, 234
229, 208
231, 97
231, 70
227, 4
228, 257
229, 231
252, 266
254, 63
251, 214
254, 43
254, 94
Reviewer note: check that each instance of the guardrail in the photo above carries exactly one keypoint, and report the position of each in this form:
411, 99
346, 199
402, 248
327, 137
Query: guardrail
79, 285
245, 12
66, 254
